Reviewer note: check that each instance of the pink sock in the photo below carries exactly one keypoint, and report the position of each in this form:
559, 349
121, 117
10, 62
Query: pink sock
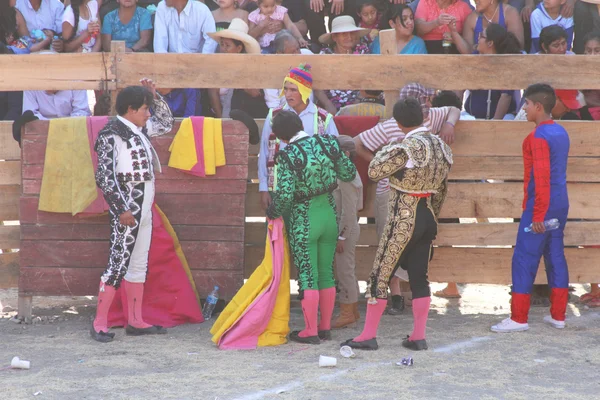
374, 313
135, 297
420, 308
310, 309
326, 304
106, 294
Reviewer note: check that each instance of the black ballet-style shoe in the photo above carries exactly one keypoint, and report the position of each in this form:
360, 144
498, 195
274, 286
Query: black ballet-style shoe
152, 330
370, 344
325, 335
102, 337
306, 340
414, 344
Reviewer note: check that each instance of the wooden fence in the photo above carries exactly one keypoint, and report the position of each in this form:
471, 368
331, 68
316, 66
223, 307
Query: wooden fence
483, 149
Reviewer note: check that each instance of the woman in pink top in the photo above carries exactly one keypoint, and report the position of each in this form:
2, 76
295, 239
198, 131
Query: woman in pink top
432, 19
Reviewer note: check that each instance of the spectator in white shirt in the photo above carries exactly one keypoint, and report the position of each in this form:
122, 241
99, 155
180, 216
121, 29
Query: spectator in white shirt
56, 104
182, 26
43, 15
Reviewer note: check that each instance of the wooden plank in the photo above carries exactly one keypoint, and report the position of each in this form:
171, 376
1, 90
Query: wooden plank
84, 282
182, 209
9, 270
485, 234
10, 236
207, 255
580, 169
10, 173
95, 231
449, 72
466, 265
481, 200
504, 138
65, 71
192, 185
9, 202
9, 148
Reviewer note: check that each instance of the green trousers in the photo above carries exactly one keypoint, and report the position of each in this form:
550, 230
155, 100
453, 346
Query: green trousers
312, 232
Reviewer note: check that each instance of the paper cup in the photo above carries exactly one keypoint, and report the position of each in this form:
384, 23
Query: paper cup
325, 361
20, 364
346, 351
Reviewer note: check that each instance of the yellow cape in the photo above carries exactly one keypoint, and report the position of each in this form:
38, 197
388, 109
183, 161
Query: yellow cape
68, 182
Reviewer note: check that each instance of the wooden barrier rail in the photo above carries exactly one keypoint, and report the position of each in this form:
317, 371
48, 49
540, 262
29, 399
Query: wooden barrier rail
483, 149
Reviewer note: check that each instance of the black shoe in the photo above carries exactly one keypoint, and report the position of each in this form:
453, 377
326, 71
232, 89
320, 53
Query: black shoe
153, 330
325, 335
397, 306
370, 344
307, 340
414, 344
102, 337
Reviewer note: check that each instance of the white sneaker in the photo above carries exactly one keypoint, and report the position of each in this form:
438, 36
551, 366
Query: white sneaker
508, 325
557, 324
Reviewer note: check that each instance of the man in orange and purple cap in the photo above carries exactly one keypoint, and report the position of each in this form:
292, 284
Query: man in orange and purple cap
566, 106
297, 88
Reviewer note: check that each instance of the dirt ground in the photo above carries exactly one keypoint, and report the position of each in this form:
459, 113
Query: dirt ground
464, 361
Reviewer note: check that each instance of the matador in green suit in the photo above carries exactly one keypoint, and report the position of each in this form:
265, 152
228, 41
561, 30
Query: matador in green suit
307, 173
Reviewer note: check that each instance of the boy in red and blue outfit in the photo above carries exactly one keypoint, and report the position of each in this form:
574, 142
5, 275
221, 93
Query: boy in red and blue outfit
545, 153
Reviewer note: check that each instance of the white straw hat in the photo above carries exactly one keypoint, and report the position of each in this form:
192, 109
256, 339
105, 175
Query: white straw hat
591, 1
341, 24
238, 30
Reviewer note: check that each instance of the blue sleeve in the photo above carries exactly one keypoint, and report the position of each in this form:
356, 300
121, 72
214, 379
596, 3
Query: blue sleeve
535, 46
145, 20
421, 48
190, 103
107, 23
375, 47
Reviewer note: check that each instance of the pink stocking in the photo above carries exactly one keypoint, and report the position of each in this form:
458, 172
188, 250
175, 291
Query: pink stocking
135, 297
374, 313
420, 308
310, 309
326, 304
106, 294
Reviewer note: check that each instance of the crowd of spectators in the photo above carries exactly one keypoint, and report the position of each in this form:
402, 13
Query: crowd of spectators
299, 26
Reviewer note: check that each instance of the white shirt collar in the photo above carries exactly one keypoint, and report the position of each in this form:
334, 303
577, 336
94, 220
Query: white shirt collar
310, 108
130, 125
299, 135
419, 129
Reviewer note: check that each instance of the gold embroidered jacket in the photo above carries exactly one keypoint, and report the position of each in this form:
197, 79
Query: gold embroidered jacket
417, 165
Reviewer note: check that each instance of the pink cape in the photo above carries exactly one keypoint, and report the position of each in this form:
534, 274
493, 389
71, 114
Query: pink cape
169, 298
244, 333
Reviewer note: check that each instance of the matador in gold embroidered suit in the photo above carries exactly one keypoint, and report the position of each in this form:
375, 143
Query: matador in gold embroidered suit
417, 169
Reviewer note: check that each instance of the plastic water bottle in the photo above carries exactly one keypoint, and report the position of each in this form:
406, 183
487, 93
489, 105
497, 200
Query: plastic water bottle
210, 303
550, 225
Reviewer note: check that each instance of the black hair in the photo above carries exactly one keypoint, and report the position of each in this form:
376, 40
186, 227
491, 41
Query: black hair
408, 112
75, 4
363, 3
374, 92
134, 97
550, 34
505, 42
286, 125
593, 35
393, 12
543, 94
446, 98
8, 21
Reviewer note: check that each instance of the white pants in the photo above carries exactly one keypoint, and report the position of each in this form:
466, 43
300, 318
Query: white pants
129, 246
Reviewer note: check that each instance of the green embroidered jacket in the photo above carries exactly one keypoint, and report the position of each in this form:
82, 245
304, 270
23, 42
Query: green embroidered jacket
307, 168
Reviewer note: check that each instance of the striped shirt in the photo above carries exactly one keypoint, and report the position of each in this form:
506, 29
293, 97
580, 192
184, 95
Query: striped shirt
388, 131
